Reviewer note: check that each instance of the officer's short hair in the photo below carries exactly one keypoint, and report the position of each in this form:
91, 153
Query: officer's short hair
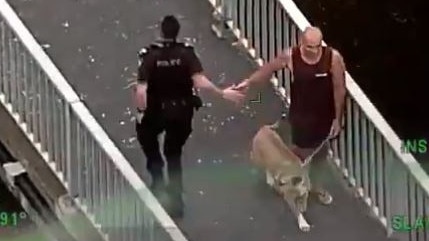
170, 27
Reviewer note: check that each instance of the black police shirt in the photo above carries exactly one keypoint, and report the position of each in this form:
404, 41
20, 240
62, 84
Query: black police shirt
167, 67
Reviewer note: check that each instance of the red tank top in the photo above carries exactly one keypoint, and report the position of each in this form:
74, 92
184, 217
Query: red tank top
312, 93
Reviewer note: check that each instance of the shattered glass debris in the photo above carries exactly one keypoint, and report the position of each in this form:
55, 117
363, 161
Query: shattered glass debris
65, 24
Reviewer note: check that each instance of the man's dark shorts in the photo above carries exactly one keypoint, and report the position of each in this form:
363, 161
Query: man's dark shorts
308, 138
303, 136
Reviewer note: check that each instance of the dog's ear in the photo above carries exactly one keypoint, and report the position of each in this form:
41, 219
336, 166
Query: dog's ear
296, 180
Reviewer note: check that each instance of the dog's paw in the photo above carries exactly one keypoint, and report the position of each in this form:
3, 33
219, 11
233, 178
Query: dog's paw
302, 223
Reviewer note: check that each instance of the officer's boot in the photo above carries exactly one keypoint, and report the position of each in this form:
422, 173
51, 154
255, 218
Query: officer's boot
175, 193
158, 187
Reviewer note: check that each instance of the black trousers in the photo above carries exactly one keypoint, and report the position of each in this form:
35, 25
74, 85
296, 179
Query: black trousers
176, 121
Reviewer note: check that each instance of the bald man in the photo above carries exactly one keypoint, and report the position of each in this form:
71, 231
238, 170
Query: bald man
317, 99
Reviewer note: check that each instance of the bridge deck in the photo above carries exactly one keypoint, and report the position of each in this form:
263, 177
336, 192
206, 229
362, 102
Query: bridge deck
94, 44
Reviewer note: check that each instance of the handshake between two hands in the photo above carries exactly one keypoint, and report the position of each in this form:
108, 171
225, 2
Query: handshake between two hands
236, 93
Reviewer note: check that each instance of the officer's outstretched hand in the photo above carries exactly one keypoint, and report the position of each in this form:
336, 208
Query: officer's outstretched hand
233, 95
243, 86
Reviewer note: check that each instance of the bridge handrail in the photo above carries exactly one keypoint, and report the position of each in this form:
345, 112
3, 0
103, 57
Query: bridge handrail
73, 106
368, 151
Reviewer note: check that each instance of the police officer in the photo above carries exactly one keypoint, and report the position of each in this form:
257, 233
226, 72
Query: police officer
168, 73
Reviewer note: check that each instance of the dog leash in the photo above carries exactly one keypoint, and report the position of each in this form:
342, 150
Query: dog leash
310, 157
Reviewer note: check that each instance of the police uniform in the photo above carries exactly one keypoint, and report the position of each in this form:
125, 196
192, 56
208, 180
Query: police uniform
167, 67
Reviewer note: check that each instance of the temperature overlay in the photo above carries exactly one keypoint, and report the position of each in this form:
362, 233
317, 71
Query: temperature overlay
11, 219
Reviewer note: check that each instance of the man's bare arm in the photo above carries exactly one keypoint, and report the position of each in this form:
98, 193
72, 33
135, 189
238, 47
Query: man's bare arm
201, 81
265, 72
338, 78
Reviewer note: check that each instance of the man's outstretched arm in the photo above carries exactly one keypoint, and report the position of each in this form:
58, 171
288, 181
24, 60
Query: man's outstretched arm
265, 72
339, 82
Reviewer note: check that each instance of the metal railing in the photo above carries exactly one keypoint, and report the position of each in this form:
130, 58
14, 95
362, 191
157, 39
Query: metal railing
368, 150
77, 148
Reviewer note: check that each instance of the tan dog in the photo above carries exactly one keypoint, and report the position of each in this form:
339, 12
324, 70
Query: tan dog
284, 171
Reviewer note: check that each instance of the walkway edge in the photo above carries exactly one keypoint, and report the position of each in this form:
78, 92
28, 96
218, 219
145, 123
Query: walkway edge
82, 111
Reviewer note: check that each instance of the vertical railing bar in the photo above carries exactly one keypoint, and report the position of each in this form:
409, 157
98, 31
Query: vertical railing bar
242, 17
133, 215
388, 168
58, 137
272, 33
248, 21
101, 183
372, 165
62, 149
379, 174
257, 28
267, 16
104, 219
6, 77
11, 79
95, 185
42, 111
425, 213
108, 204
279, 39
238, 14
23, 86
36, 97
365, 155
419, 210
18, 79
52, 120
124, 211
342, 145
116, 205
67, 143
80, 160
356, 145
349, 150
264, 30
74, 152
85, 161
30, 95
2, 55
89, 164
409, 203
